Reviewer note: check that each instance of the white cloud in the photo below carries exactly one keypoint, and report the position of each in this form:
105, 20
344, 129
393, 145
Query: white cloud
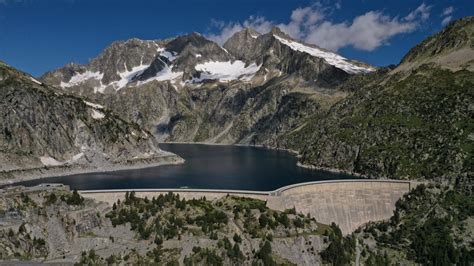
446, 20
366, 32
259, 24
447, 11
301, 20
422, 12
446, 14
226, 31
310, 24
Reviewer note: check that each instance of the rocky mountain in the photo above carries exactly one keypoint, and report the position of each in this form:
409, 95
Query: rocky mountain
276, 50
194, 59
451, 48
44, 128
273, 90
410, 121
407, 122
191, 89
51, 224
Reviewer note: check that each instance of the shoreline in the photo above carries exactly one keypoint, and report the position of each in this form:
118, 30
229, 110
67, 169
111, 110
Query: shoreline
291, 151
16, 176
336, 171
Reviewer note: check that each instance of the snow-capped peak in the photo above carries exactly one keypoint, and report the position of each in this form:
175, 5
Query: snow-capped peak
332, 58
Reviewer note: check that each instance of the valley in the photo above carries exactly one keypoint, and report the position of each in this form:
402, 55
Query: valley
118, 124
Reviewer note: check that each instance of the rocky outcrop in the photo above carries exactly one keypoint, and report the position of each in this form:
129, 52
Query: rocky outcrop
51, 224
339, 113
191, 89
43, 127
399, 124
451, 48
274, 52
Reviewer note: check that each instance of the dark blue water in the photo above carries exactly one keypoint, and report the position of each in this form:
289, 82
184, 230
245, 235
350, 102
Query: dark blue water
212, 167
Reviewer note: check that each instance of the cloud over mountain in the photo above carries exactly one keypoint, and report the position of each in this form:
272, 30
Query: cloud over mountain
312, 24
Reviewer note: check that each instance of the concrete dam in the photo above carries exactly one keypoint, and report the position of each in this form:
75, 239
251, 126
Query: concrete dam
348, 203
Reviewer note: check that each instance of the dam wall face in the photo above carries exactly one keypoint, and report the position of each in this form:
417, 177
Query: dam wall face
348, 203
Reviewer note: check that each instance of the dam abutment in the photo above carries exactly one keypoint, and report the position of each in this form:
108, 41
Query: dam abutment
348, 203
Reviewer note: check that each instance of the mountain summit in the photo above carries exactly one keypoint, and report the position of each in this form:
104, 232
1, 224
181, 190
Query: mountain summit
191, 59
190, 88
274, 90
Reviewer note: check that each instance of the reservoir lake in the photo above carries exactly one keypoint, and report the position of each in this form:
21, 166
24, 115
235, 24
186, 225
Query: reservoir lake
206, 167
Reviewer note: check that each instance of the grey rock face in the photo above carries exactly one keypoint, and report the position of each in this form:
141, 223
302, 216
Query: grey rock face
135, 62
42, 126
273, 54
187, 107
192, 49
123, 56
118, 63
242, 44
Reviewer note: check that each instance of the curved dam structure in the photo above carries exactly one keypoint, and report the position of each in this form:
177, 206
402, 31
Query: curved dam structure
348, 203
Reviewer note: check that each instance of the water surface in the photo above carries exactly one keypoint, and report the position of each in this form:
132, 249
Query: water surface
206, 166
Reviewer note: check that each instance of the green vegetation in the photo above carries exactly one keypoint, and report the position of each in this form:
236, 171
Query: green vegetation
90, 258
204, 256
70, 199
169, 217
340, 250
21, 245
431, 226
265, 254
387, 127
166, 216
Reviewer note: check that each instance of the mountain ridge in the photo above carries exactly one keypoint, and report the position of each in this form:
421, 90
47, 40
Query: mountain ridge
43, 127
356, 123
193, 46
413, 123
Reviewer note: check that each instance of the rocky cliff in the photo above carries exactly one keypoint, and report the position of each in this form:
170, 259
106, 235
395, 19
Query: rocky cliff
191, 89
42, 127
409, 122
413, 120
51, 224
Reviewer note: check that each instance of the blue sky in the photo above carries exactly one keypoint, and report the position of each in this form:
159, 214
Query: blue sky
41, 35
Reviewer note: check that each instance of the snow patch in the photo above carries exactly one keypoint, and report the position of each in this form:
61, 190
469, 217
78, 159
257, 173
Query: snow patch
76, 157
226, 71
171, 56
49, 161
97, 106
332, 58
165, 74
128, 75
80, 78
35, 81
97, 114
225, 50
